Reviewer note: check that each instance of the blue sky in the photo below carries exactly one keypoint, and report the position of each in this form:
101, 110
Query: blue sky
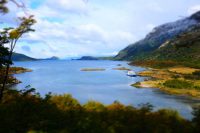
72, 28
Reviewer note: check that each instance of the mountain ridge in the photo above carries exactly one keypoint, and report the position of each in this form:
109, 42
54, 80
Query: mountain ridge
157, 37
23, 57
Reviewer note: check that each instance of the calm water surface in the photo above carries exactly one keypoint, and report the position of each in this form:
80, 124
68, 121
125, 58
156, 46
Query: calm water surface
106, 86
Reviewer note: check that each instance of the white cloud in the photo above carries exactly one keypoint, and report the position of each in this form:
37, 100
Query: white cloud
63, 40
76, 6
150, 27
154, 6
60, 8
75, 28
193, 9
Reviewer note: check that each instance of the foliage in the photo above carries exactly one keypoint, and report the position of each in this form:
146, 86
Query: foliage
155, 63
25, 111
3, 52
178, 84
3, 8
196, 119
194, 76
12, 35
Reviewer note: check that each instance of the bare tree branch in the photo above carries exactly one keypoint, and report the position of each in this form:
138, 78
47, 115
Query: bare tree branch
22, 6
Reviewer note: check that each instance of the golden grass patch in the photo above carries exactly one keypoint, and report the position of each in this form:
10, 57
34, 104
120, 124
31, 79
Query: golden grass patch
182, 70
156, 73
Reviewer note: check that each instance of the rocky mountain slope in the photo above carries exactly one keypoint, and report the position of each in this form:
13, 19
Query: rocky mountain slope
183, 49
157, 37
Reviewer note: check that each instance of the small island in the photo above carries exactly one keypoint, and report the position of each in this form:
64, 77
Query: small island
51, 58
93, 69
122, 69
87, 58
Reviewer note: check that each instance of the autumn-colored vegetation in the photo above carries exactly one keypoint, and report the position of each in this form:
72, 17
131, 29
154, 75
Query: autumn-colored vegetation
155, 63
178, 80
27, 112
11, 78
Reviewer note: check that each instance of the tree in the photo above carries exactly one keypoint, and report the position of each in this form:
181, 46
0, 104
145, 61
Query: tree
12, 35
3, 8
3, 52
196, 119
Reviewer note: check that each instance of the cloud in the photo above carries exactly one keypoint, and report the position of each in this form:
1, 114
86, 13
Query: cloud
74, 6
76, 27
154, 6
77, 40
193, 9
60, 8
150, 27
26, 48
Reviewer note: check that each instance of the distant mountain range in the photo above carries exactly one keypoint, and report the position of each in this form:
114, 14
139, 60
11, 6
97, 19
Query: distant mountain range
51, 58
87, 58
22, 57
94, 58
160, 43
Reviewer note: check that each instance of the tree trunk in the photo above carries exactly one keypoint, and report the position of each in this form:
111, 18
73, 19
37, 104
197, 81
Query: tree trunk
5, 77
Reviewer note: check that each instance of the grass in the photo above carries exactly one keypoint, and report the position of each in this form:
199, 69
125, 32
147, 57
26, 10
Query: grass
156, 73
182, 70
16, 70
178, 84
177, 80
147, 84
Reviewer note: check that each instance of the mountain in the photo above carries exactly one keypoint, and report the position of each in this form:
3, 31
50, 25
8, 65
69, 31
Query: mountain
157, 37
183, 49
95, 58
88, 58
51, 58
22, 57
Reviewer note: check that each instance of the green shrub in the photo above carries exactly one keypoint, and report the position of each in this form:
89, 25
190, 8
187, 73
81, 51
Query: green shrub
197, 87
196, 73
179, 84
194, 76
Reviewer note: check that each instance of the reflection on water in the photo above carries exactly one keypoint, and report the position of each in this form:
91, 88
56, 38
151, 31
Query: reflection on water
105, 86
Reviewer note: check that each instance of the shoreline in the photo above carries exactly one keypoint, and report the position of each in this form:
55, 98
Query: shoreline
158, 77
15, 70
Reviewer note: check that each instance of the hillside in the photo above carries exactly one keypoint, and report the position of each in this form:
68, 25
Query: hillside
184, 49
175, 65
22, 57
157, 37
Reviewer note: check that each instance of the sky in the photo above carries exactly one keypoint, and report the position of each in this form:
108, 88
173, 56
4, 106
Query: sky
74, 28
